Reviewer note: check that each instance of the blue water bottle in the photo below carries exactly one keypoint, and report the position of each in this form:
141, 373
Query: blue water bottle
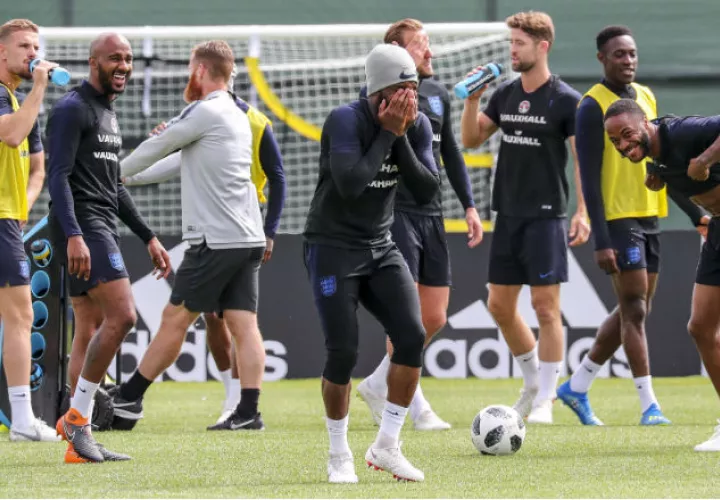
59, 76
475, 82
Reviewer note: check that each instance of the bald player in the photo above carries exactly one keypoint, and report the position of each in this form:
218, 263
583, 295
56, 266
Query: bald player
86, 197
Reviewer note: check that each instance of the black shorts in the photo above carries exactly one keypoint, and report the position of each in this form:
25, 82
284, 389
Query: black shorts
378, 279
528, 251
14, 263
421, 240
216, 280
637, 243
708, 268
106, 261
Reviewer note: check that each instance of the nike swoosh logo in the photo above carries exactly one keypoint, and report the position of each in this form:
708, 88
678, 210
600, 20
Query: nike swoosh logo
31, 437
241, 424
81, 389
545, 275
69, 435
123, 405
405, 76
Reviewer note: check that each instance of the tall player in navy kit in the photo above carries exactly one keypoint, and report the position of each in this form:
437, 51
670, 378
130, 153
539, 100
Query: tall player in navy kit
686, 155
419, 230
366, 147
86, 198
536, 113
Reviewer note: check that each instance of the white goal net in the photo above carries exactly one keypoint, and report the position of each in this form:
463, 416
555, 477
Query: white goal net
294, 74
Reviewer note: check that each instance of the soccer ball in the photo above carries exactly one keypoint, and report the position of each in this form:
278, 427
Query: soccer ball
498, 430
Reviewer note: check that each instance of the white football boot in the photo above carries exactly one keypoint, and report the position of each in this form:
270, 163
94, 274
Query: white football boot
712, 444
393, 461
341, 469
374, 400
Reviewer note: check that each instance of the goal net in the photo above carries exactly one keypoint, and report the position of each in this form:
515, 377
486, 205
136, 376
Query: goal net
294, 74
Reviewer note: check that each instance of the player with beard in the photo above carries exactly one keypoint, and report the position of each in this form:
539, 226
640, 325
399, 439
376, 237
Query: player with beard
536, 113
624, 216
419, 230
22, 169
211, 145
86, 197
685, 153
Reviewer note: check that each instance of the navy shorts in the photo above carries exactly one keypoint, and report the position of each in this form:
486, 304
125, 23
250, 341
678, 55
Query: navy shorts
376, 278
106, 261
422, 242
14, 263
528, 251
215, 280
708, 268
637, 243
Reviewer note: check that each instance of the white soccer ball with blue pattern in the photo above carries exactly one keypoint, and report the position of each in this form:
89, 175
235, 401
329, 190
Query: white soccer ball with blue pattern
498, 430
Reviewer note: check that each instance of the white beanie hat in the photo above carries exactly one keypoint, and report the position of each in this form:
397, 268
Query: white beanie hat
386, 65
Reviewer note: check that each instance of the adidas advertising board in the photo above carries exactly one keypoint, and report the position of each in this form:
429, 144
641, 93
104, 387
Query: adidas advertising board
469, 346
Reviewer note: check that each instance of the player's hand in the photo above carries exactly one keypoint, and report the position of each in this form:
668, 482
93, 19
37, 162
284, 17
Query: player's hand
41, 72
78, 257
411, 110
698, 170
418, 46
160, 258
653, 182
475, 96
607, 260
269, 244
579, 229
393, 114
702, 228
159, 128
475, 230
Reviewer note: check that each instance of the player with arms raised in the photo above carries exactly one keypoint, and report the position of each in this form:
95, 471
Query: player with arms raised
624, 216
366, 147
686, 156
22, 169
419, 230
536, 113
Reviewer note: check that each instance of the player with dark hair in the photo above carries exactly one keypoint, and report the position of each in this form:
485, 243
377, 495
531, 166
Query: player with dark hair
536, 112
685, 154
419, 230
22, 170
624, 216
266, 169
210, 144
366, 147
86, 197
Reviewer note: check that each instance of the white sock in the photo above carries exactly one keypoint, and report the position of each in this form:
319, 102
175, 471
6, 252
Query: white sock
393, 419
337, 431
233, 397
418, 404
90, 411
529, 365
20, 406
226, 377
584, 376
548, 376
378, 379
645, 392
83, 397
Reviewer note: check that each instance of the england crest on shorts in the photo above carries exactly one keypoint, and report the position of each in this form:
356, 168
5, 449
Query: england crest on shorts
436, 104
633, 255
116, 261
24, 268
328, 286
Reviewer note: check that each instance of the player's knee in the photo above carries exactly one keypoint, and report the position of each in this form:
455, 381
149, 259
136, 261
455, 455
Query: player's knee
434, 321
408, 347
700, 331
339, 365
633, 309
547, 309
122, 318
501, 311
19, 320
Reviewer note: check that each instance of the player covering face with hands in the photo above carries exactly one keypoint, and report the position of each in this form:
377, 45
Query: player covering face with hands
351, 259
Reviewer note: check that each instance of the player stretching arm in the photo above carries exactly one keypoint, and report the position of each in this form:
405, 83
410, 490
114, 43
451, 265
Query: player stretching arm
419, 230
22, 169
366, 146
624, 216
536, 113
687, 154
86, 197
223, 225
267, 167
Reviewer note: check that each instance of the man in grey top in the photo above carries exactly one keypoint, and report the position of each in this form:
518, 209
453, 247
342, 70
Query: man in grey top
223, 224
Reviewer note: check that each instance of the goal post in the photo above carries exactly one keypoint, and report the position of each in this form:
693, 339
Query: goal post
295, 74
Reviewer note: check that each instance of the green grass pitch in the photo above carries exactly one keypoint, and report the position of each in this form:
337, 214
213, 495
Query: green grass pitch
174, 456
